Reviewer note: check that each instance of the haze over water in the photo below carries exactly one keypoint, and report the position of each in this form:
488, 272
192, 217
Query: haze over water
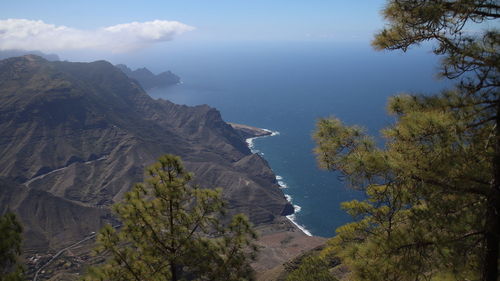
286, 87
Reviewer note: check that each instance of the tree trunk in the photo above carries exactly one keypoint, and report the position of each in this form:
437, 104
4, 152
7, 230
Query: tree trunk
490, 271
173, 265
173, 271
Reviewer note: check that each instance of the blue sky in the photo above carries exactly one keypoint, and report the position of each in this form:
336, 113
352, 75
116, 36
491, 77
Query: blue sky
217, 20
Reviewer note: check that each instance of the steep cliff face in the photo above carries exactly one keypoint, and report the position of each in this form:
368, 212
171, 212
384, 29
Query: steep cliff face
74, 137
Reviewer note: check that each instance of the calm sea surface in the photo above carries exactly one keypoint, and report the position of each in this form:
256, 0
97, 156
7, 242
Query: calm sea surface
286, 88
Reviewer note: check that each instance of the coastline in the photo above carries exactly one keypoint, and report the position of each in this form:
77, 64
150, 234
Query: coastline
279, 179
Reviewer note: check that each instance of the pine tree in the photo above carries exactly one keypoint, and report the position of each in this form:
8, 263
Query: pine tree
312, 268
433, 192
10, 248
171, 231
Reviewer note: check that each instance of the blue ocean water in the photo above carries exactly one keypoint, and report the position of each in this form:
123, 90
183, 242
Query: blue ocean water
286, 87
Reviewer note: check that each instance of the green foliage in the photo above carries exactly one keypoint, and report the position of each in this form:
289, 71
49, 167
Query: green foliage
433, 192
10, 248
171, 231
312, 268
427, 193
459, 27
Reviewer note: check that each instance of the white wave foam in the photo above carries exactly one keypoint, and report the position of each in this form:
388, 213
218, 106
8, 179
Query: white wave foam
282, 184
296, 208
251, 144
273, 133
292, 217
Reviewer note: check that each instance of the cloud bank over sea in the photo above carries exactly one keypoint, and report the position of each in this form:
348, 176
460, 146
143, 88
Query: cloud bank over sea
24, 34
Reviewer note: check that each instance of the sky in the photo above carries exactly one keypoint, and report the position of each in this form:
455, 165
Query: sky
128, 25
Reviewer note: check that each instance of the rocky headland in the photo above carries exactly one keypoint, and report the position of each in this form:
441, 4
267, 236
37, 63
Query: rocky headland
247, 132
148, 80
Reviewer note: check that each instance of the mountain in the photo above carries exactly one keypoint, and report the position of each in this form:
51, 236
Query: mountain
74, 137
17, 53
147, 79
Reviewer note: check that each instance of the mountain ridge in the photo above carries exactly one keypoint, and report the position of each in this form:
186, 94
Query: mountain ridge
148, 79
84, 132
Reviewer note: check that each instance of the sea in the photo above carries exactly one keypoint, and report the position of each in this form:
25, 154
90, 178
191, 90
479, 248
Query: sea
286, 87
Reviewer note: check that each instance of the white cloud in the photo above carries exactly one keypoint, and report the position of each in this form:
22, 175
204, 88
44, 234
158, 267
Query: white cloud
37, 35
